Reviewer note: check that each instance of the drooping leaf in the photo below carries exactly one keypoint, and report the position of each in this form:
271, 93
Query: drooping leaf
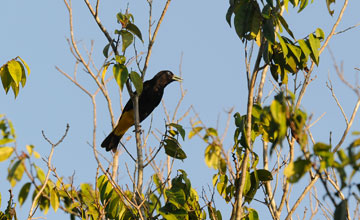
24, 192
304, 47
15, 71
173, 149
5, 78
135, 30
40, 174
103, 73
283, 45
127, 39
106, 50
121, 74
54, 199
314, 45
137, 81
328, 3
285, 25
269, 30
247, 19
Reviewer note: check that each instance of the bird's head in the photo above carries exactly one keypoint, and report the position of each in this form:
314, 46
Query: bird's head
163, 78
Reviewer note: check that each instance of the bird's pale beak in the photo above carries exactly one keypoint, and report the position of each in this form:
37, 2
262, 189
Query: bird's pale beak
176, 78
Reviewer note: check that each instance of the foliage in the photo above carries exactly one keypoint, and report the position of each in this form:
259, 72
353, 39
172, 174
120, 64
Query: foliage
13, 74
279, 123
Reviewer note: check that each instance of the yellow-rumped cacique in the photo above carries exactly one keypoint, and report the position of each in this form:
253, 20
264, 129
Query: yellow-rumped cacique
149, 99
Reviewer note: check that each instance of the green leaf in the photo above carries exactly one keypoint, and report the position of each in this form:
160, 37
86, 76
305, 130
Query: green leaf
295, 170
173, 149
321, 147
5, 153
320, 34
127, 39
135, 30
15, 71
179, 128
16, 172
54, 199
5, 78
120, 59
194, 131
106, 50
212, 156
269, 30
304, 47
296, 51
211, 132
171, 213
15, 88
176, 196
40, 174
328, 3
314, 45
285, 25
283, 45
222, 184
264, 175
247, 19
266, 12
137, 81
26, 66
252, 214
24, 192
121, 74
303, 5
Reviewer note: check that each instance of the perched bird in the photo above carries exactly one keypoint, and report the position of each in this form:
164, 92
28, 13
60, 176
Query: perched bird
150, 97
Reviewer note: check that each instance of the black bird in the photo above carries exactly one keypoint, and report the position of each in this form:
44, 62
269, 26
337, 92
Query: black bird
149, 99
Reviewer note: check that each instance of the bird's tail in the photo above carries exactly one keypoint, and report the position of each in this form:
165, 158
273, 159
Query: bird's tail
111, 142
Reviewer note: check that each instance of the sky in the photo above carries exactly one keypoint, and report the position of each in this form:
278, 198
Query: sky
212, 68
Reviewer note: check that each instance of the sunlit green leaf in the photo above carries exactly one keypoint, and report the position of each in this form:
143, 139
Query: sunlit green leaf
121, 74
40, 174
15, 71
54, 199
314, 45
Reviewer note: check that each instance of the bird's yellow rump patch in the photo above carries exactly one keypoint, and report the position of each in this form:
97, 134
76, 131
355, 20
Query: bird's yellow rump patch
125, 122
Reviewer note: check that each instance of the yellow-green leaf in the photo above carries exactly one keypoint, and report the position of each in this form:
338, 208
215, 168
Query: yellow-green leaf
15, 71
54, 199
5, 153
